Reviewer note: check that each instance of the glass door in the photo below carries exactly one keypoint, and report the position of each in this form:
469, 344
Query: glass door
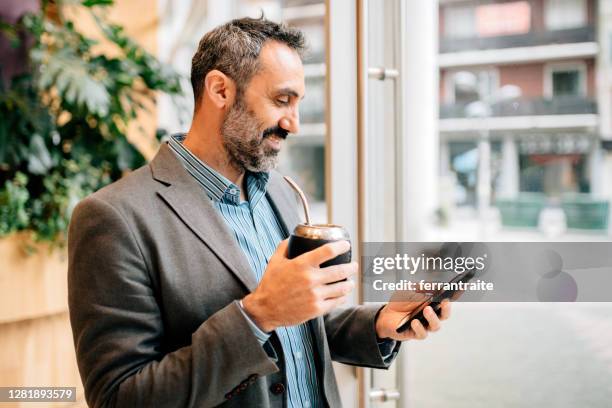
378, 144
397, 144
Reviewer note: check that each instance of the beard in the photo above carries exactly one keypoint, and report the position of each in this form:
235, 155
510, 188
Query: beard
245, 143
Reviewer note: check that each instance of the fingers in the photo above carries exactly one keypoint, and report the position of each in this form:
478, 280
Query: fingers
331, 304
420, 333
457, 294
407, 299
432, 319
445, 307
335, 290
335, 273
281, 250
324, 253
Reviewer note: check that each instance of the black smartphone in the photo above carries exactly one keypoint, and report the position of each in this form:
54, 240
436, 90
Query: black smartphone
434, 301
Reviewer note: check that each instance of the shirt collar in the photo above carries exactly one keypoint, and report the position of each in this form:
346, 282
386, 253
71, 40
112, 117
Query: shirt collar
217, 186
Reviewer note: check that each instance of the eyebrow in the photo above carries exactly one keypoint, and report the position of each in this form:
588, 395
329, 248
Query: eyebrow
289, 91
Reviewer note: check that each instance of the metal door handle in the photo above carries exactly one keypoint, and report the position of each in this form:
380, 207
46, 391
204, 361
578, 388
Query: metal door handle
382, 73
383, 395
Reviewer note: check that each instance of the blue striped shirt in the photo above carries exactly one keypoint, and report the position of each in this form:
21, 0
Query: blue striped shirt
258, 231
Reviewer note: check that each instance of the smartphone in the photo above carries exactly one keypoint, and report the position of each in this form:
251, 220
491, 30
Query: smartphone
434, 301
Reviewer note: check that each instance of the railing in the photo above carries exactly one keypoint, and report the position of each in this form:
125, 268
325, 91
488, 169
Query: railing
574, 35
582, 212
566, 105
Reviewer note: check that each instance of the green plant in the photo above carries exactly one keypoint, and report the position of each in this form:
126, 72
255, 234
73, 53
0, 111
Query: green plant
63, 124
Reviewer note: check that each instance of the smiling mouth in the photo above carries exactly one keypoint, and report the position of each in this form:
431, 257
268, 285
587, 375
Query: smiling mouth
275, 141
275, 131
277, 135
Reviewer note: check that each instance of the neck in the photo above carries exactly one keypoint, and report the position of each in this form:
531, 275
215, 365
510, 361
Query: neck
208, 147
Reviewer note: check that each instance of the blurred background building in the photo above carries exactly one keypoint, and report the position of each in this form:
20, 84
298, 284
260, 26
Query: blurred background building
548, 139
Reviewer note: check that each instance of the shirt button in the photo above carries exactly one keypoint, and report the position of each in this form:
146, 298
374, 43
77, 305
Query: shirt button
307, 404
298, 355
277, 388
233, 191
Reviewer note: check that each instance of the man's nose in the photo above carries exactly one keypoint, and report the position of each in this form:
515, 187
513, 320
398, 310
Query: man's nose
291, 123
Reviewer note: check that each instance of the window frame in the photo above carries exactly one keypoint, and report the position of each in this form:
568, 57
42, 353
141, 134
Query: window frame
551, 68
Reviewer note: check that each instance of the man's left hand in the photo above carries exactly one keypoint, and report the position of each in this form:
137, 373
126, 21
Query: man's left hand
393, 312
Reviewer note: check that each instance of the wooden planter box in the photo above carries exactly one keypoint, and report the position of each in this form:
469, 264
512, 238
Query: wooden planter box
36, 347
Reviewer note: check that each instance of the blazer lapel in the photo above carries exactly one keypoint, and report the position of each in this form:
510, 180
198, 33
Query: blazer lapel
190, 203
283, 201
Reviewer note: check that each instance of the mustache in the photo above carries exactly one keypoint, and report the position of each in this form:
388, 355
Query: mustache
275, 131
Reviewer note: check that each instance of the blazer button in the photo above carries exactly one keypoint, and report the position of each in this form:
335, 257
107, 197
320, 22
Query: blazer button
277, 388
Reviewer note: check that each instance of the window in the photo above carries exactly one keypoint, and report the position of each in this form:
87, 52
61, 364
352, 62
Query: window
470, 86
304, 156
565, 80
459, 22
503, 19
554, 174
564, 14
566, 83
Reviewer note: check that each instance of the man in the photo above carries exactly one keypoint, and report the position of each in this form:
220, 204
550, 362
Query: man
180, 291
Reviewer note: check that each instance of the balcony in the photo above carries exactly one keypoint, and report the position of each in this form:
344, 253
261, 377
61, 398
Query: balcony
567, 105
574, 35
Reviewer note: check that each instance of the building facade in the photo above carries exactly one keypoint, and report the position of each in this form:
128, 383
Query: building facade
522, 87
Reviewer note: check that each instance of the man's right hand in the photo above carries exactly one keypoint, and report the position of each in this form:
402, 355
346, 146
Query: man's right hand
293, 291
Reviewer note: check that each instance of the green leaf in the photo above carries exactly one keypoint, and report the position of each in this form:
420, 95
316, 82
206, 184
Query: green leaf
39, 159
76, 81
62, 81
91, 3
10, 32
96, 98
4, 142
13, 201
125, 154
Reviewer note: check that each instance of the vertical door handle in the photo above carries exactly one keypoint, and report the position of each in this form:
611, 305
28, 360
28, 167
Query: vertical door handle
382, 73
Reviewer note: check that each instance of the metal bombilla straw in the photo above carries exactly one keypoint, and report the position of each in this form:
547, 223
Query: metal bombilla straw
298, 190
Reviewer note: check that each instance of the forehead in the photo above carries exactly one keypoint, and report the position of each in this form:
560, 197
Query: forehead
280, 67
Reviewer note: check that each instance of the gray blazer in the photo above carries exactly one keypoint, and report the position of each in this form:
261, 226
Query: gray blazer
154, 279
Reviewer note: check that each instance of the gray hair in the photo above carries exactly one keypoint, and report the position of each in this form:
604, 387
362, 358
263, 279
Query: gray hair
233, 48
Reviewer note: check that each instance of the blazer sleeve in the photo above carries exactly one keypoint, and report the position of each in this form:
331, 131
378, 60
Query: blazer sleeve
351, 334
118, 329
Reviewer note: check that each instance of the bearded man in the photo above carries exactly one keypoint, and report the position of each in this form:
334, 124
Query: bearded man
180, 290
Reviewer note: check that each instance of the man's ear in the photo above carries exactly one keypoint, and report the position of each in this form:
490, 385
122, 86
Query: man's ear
219, 89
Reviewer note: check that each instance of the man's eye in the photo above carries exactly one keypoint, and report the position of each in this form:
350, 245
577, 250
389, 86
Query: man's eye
283, 101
